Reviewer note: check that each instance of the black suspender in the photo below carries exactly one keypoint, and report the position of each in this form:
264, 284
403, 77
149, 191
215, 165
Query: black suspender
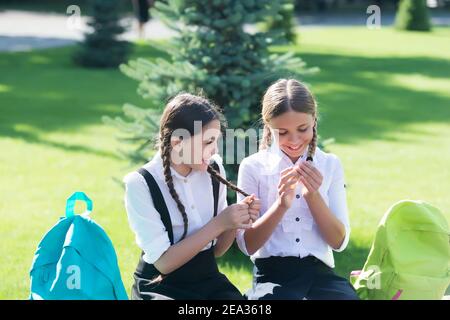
160, 204
158, 201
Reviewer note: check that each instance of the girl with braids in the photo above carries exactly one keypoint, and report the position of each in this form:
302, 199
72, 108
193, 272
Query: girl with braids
303, 203
177, 208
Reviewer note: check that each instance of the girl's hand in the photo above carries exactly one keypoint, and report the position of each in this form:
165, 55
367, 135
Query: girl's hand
254, 206
310, 177
286, 187
235, 216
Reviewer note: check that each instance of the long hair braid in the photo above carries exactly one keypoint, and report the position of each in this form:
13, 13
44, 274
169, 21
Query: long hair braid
266, 138
313, 143
216, 175
165, 155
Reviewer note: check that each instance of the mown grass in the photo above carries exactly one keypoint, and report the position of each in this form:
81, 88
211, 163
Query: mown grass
383, 95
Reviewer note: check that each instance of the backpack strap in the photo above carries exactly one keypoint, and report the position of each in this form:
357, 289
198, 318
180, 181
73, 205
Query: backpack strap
158, 201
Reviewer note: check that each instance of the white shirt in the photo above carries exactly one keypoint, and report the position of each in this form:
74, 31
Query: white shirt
297, 233
194, 191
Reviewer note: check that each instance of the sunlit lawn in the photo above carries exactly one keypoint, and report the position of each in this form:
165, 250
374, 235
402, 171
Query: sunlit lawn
383, 95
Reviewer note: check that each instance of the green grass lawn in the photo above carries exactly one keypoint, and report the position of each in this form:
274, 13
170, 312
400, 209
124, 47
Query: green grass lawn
383, 95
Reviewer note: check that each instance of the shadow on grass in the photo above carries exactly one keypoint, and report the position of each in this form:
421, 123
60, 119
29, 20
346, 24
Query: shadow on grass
42, 92
35, 139
358, 96
234, 259
352, 258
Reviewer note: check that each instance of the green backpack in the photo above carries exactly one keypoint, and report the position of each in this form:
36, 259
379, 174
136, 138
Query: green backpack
410, 256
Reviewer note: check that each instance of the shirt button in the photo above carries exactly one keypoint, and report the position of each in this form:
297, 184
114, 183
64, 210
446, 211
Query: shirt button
192, 207
297, 196
297, 240
297, 219
185, 180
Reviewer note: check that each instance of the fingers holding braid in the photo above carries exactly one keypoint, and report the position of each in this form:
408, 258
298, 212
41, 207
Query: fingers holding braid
253, 204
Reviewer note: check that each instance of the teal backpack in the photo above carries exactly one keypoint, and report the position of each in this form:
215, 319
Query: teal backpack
76, 260
410, 255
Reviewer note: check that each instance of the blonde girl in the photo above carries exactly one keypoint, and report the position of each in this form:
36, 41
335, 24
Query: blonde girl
303, 216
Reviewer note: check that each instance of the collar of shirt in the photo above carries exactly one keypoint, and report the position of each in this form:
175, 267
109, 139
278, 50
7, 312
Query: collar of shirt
273, 161
286, 160
276, 160
159, 162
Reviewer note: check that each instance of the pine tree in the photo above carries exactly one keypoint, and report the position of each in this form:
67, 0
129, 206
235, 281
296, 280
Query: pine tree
413, 15
102, 48
285, 21
213, 53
